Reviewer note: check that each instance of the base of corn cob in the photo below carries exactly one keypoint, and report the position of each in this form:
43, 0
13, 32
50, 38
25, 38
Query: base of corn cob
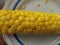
28, 22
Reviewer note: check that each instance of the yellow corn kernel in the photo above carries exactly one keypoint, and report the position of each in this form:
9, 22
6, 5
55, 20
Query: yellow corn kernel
11, 22
25, 22
25, 31
8, 17
31, 19
6, 23
17, 23
3, 18
12, 30
19, 29
4, 29
1, 24
21, 18
14, 17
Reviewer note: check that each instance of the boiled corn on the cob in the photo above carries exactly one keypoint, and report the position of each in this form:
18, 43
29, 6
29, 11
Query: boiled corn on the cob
28, 22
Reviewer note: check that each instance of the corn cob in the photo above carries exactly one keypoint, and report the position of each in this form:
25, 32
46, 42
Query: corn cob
28, 22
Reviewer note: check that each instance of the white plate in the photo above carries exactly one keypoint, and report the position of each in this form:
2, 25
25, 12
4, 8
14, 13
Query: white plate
36, 39
45, 7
